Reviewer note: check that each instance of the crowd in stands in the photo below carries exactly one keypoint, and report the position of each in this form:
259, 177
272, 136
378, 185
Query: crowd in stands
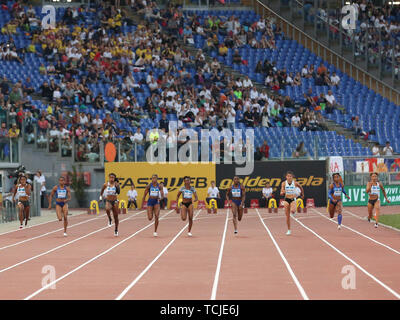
377, 30
198, 91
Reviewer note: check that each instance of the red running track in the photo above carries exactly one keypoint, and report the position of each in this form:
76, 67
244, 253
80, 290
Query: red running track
261, 262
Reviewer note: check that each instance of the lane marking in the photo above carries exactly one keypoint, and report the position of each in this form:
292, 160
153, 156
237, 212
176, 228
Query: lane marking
61, 246
372, 221
361, 234
92, 259
130, 286
219, 262
288, 267
397, 295
40, 224
50, 232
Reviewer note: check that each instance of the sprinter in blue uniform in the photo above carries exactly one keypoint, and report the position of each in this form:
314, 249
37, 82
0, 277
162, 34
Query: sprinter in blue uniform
153, 204
335, 198
187, 192
238, 193
63, 195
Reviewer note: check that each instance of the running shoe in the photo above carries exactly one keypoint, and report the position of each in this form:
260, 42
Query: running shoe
65, 234
339, 227
155, 234
288, 233
21, 226
369, 220
235, 232
189, 234
116, 233
110, 223
376, 225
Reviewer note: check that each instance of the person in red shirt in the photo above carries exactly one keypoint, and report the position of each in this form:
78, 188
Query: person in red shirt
265, 149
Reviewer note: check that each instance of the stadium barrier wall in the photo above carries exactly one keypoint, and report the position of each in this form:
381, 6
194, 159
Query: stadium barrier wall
311, 175
139, 174
359, 197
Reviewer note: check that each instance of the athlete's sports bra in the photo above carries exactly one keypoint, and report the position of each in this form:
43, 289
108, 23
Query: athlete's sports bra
154, 190
187, 193
61, 193
290, 189
21, 192
111, 190
337, 190
236, 191
375, 190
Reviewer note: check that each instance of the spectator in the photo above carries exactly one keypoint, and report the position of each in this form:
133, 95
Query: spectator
265, 150
357, 126
387, 150
376, 150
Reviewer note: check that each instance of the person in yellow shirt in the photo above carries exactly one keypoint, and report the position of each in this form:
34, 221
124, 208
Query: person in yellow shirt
14, 131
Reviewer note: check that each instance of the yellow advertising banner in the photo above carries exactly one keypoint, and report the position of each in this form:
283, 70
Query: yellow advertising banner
139, 174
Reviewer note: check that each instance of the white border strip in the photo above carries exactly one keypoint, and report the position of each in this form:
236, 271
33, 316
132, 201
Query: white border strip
130, 286
221, 251
92, 259
288, 267
397, 295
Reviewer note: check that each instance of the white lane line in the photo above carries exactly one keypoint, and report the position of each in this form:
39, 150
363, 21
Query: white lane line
39, 224
92, 259
288, 267
372, 221
221, 251
50, 232
130, 286
361, 234
397, 295
61, 246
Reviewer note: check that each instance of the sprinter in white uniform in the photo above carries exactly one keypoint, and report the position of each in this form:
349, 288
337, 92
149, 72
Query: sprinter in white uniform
111, 190
22, 193
288, 190
374, 188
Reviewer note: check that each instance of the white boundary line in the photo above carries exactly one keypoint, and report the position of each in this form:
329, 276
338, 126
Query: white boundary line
92, 259
130, 286
288, 267
221, 251
50, 232
361, 234
39, 224
397, 295
61, 246
365, 219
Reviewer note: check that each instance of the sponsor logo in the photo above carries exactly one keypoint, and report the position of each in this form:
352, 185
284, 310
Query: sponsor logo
171, 183
257, 183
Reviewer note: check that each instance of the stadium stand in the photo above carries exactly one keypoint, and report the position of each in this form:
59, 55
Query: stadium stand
99, 76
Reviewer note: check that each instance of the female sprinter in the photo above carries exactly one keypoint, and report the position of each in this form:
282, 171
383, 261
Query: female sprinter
335, 196
373, 189
63, 195
112, 190
153, 204
237, 204
22, 192
187, 192
288, 189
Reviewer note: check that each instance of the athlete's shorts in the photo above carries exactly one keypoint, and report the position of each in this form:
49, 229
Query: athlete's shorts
187, 204
61, 204
372, 202
336, 203
288, 200
237, 202
152, 202
25, 203
112, 202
